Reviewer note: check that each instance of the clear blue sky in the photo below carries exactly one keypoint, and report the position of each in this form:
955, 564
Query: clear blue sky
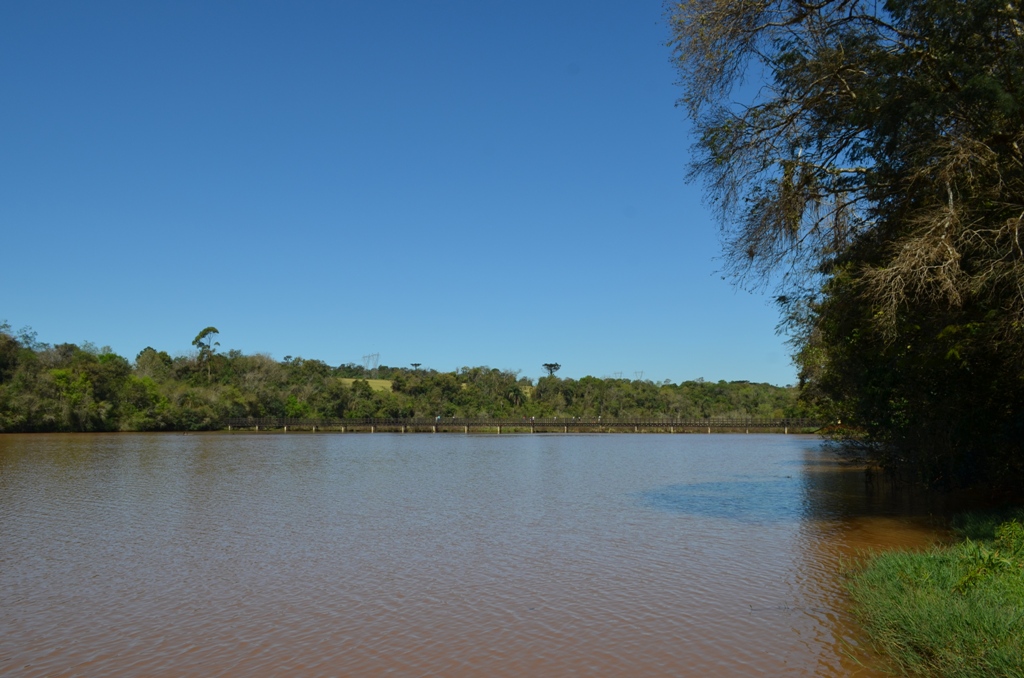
450, 183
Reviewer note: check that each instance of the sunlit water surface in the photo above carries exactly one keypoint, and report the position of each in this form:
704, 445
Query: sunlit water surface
443, 555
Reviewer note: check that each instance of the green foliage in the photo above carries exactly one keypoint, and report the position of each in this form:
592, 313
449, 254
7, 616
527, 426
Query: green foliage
294, 408
877, 179
153, 364
9, 350
144, 407
983, 525
1010, 539
71, 388
950, 611
207, 347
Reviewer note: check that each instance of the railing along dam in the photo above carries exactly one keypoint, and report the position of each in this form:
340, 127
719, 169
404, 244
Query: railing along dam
527, 425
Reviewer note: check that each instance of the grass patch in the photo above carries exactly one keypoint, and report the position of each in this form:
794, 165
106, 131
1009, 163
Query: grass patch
375, 384
953, 610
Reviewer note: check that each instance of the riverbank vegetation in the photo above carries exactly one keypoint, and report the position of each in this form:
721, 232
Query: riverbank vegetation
873, 174
69, 387
953, 610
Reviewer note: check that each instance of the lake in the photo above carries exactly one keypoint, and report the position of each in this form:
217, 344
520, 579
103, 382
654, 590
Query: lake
448, 555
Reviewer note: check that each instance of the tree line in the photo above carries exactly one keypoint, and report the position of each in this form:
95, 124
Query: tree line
70, 387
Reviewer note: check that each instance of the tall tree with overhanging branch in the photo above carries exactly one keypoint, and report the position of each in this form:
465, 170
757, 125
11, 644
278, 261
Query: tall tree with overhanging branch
207, 347
874, 175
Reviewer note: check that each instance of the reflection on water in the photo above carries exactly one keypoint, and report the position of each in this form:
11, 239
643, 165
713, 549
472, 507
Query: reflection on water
747, 501
311, 555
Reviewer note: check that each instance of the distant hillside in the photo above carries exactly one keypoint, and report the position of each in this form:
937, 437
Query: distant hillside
375, 384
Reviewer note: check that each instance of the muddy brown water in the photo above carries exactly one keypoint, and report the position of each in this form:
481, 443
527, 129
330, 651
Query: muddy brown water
434, 555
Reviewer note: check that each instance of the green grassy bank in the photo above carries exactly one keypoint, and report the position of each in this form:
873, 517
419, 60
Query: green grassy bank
953, 610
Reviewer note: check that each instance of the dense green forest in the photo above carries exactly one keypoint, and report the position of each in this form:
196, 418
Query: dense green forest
68, 387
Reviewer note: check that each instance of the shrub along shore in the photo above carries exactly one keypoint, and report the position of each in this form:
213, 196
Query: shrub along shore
955, 610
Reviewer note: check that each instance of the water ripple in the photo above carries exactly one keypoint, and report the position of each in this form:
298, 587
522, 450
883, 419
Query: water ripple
332, 555
749, 501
